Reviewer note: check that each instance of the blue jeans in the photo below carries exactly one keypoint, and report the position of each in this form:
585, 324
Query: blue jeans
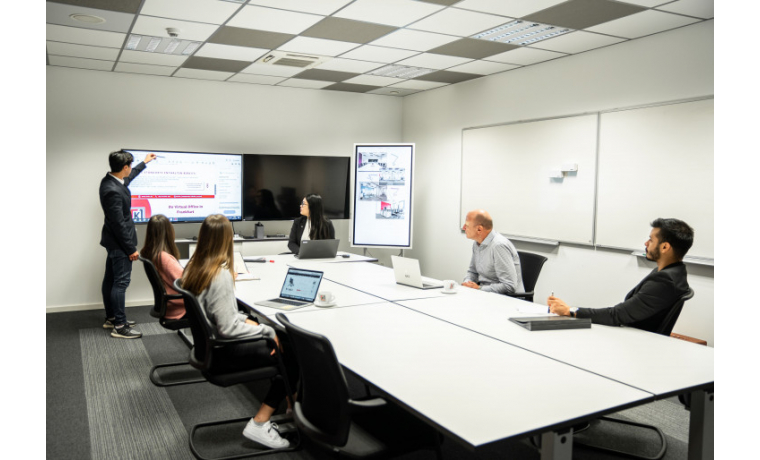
115, 284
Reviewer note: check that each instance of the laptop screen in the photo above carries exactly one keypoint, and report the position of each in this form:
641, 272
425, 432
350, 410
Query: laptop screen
301, 284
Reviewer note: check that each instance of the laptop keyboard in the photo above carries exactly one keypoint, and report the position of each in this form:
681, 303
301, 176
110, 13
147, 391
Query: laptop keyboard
288, 302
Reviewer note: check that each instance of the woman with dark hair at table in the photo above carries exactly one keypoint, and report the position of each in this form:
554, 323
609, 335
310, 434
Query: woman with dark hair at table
160, 249
210, 275
312, 225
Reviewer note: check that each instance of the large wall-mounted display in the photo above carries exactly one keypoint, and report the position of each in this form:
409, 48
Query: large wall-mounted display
382, 195
187, 186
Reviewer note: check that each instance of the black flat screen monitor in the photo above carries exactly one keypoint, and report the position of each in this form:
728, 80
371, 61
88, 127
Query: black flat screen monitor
275, 185
187, 186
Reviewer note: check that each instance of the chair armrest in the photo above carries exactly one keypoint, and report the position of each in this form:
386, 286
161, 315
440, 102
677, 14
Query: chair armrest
358, 406
226, 342
521, 295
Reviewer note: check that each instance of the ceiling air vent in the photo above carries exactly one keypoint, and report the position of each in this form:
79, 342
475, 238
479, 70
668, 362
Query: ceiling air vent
303, 61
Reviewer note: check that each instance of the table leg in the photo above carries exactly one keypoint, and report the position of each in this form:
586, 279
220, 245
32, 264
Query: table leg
702, 426
557, 445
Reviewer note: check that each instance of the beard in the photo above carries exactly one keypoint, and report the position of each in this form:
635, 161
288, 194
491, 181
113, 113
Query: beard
654, 254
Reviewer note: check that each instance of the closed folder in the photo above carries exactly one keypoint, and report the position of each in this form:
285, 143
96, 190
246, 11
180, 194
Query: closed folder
548, 323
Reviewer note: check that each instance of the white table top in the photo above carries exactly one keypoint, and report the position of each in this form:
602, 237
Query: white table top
475, 388
651, 362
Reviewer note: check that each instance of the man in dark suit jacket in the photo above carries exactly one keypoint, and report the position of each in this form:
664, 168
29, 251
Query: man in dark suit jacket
647, 305
120, 240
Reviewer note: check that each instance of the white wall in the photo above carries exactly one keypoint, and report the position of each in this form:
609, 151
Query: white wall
667, 66
91, 113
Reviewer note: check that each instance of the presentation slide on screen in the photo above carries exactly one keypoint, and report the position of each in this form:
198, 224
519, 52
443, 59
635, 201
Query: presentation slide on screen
187, 187
383, 195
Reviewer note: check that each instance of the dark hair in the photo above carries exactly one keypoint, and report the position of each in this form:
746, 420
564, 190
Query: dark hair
319, 228
675, 232
159, 237
118, 159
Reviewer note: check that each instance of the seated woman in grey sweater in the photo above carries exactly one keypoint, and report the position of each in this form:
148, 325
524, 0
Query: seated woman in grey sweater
210, 275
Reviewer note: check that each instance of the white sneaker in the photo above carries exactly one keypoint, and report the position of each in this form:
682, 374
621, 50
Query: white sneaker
266, 434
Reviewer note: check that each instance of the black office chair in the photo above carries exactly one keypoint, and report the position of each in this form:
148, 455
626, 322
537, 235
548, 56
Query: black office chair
531, 265
665, 329
160, 299
365, 428
203, 356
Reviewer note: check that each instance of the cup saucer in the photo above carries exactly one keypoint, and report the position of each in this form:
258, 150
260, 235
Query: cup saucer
453, 291
323, 305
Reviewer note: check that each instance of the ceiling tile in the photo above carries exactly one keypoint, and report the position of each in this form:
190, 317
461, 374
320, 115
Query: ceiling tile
433, 61
395, 91
699, 8
347, 30
238, 53
83, 51
272, 70
577, 42
289, 22
128, 67
351, 88
581, 14
648, 3
80, 63
525, 56
238, 36
463, 23
156, 27
472, 48
299, 83
641, 24
257, 79
349, 65
414, 40
79, 36
124, 6
141, 57
219, 65
378, 54
418, 85
209, 11
203, 74
374, 80
445, 76
325, 75
58, 13
483, 67
390, 12
324, 7
307, 45
511, 8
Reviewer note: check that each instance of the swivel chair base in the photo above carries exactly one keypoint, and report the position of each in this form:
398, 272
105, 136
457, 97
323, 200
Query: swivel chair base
285, 424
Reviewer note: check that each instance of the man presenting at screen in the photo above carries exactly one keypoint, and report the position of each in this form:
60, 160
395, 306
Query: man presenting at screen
120, 240
495, 264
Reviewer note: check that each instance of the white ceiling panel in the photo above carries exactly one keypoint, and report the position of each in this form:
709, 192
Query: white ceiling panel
433, 61
147, 69
641, 24
349, 65
577, 42
84, 36
414, 40
237, 53
319, 46
203, 74
324, 7
418, 84
373, 80
378, 54
303, 83
257, 79
272, 20
525, 56
700, 8
458, 22
80, 63
156, 27
83, 51
511, 8
390, 12
142, 57
272, 70
646, 3
483, 67
209, 11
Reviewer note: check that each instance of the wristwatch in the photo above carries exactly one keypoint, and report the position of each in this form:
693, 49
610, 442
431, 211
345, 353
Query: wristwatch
573, 311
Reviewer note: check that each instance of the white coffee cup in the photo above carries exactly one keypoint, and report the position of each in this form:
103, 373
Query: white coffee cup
326, 297
449, 285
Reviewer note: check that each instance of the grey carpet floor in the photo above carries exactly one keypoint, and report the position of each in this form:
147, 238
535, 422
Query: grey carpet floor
101, 404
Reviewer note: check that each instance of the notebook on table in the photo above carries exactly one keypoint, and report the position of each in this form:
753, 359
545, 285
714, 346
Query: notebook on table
407, 272
318, 249
548, 323
299, 290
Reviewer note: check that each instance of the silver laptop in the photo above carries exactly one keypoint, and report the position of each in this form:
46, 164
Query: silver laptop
299, 290
318, 249
407, 272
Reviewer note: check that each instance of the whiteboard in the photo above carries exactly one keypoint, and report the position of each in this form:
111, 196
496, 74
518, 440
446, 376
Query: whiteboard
656, 162
506, 168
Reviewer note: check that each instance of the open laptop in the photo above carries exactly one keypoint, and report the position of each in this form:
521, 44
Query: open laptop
318, 249
299, 290
407, 272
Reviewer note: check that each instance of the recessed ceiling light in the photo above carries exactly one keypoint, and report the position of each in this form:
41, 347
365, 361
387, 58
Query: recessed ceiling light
522, 33
88, 18
400, 71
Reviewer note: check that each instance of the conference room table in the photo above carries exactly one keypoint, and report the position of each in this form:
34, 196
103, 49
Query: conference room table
458, 363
